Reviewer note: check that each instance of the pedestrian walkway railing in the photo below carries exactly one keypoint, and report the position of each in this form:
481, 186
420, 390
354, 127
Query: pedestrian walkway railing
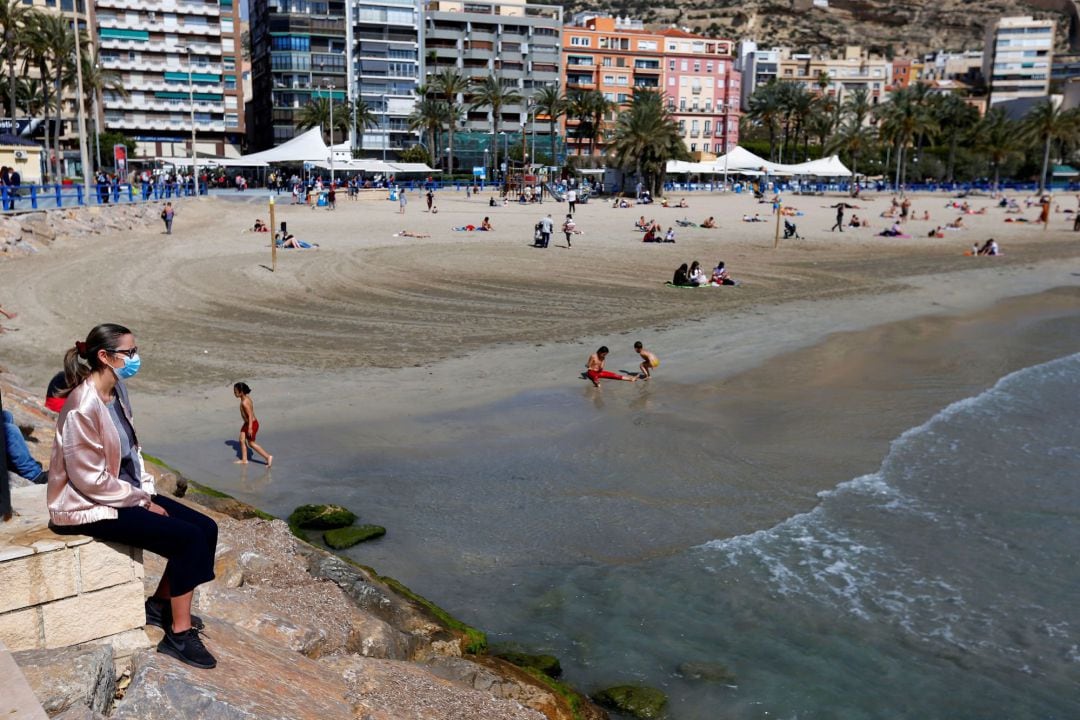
47, 197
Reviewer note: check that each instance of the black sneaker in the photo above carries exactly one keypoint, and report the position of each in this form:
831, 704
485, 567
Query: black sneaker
159, 614
42, 478
188, 648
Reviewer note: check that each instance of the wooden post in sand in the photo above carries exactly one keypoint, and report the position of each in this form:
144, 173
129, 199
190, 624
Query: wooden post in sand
779, 214
273, 234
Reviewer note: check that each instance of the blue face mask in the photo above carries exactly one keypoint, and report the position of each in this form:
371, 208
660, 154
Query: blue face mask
131, 366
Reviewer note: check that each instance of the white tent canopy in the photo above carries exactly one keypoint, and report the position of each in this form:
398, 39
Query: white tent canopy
824, 167
308, 147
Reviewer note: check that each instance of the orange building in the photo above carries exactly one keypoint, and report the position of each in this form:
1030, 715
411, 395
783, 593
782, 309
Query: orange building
613, 56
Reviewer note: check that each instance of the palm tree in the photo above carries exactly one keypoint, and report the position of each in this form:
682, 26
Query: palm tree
589, 107
903, 119
853, 139
316, 114
53, 45
955, 120
490, 93
645, 138
856, 106
429, 116
766, 109
362, 114
551, 104
97, 81
996, 136
450, 83
1047, 123
14, 17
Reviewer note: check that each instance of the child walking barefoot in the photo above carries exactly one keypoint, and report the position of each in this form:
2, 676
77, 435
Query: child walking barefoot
250, 427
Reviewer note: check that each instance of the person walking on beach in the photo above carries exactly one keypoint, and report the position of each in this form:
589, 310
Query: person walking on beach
430, 199
648, 360
402, 201
250, 428
571, 200
98, 486
167, 214
596, 372
839, 218
547, 226
569, 228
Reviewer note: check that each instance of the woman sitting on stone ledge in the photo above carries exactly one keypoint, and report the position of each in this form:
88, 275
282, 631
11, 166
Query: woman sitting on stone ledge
99, 487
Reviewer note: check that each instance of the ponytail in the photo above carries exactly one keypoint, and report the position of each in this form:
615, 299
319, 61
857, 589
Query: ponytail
81, 360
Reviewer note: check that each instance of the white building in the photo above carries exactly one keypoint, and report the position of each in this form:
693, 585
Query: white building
1017, 58
173, 56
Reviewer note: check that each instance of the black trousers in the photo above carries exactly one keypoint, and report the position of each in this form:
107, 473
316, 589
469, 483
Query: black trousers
186, 538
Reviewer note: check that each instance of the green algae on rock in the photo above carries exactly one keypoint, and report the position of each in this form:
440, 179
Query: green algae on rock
547, 664
321, 517
346, 537
638, 700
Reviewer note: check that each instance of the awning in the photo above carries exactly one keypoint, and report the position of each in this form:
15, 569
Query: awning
1065, 171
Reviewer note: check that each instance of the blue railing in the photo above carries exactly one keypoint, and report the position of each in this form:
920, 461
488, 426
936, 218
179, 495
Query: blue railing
45, 197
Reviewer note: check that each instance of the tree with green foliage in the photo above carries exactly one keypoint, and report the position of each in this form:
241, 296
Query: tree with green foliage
997, 137
14, 19
766, 110
428, 117
451, 83
550, 103
646, 137
1045, 124
491, 93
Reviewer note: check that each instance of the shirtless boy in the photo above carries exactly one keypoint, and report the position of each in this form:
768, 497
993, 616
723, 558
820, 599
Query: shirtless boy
596, 370
649, 360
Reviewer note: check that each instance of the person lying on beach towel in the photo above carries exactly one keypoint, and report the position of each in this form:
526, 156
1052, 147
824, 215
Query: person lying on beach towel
290, 241
410, 233
685, 223
1017, 220
894, 231
754, 218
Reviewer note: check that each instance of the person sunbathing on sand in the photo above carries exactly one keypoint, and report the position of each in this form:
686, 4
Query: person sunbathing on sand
709, 223
957, 224
682, 204
412, 234
755, 218
260, 226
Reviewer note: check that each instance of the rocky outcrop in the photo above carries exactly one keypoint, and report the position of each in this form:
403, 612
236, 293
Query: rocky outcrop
79, 678
28, 233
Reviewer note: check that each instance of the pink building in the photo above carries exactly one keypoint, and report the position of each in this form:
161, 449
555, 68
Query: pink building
702, 88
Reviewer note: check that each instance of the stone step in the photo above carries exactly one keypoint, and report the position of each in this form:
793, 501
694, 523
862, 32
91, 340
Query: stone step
17, 701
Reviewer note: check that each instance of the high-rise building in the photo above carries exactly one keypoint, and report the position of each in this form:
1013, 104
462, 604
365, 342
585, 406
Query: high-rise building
387, 70
758, 67
298, 56
839, 76
703, 90
1017, 58
517, 43
179, 61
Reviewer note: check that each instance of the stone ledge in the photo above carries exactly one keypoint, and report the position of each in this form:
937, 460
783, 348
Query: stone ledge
61, 590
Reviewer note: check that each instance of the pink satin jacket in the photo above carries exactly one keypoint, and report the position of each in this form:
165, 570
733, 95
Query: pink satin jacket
83, 475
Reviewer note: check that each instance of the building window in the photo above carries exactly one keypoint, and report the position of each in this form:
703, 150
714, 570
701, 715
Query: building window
671, 65
578, 41
709, 68
697, 66
685, 65
671, 81
707, 127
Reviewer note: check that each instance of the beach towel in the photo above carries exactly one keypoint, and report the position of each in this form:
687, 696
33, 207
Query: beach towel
885, 233
688, 287
465, 228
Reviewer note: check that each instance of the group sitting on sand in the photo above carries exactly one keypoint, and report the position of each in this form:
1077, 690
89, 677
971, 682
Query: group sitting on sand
694, 276
288, 240
990, 247
260, 226
653, 235
681, 204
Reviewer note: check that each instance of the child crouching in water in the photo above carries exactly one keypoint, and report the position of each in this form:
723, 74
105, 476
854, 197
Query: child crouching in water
649, 360
250, 428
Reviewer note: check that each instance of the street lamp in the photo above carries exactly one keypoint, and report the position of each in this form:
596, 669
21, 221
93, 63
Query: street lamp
486, 153
330, 86
386, 126
84, 155
186, 49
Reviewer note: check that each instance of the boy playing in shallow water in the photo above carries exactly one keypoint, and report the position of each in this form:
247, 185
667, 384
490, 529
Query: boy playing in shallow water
250, 427
596, 369
649, 360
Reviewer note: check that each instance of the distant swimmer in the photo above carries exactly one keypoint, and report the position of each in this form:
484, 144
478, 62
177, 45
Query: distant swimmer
649, 360
596, 371
250, 428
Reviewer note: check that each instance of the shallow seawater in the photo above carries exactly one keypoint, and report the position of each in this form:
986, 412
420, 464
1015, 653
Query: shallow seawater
893, 538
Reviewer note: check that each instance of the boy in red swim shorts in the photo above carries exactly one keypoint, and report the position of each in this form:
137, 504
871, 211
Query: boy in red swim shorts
250, 429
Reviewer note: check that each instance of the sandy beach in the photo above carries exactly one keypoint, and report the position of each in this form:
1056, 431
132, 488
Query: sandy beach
435, 385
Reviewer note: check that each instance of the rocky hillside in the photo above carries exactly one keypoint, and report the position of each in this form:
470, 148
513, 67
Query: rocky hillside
898, 27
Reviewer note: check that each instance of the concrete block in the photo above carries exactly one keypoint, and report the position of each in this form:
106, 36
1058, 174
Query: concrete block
21, 629
36, 579
94, 615
103, 565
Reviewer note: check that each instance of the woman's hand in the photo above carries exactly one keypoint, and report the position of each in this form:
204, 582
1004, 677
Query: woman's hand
157, 509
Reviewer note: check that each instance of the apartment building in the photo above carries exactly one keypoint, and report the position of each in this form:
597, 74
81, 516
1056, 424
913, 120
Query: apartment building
839, 76
757, 67
1017, 58
174, 57
387, 70
517, 43
611, 55
703, 90
906, 71
298, 55
964, 67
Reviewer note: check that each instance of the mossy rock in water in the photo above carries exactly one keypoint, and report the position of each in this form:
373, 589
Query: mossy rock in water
708, 671
637, 700
346, 537
321, 517
547, 664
